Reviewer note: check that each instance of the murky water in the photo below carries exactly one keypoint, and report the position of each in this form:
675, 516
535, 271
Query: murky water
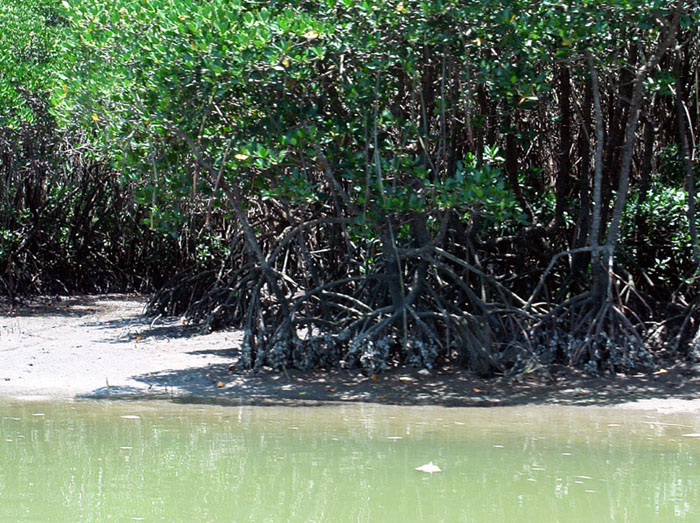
159, 461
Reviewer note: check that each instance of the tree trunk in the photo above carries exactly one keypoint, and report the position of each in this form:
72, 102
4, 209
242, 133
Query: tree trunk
599, 283
682, 116
631, 130
564, 175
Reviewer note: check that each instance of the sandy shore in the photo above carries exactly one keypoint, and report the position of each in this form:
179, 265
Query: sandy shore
103, 347
83, 346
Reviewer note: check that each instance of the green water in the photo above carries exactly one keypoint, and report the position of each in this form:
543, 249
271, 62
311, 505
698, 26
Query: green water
159, 461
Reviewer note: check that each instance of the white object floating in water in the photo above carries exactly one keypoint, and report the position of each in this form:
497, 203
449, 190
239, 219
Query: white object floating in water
691, 435
131, 416
430, 468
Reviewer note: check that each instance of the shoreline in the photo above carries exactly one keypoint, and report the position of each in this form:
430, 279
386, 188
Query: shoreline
102, 347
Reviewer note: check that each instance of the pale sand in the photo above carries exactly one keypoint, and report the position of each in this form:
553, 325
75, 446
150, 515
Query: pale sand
96, 345
104, 347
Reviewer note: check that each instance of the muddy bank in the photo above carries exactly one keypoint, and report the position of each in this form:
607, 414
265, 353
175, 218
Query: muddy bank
103, 347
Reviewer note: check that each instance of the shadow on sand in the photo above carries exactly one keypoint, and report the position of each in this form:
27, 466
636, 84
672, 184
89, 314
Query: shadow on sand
68, 307
452, 387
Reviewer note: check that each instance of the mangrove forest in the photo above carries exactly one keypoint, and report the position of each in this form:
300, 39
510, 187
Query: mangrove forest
504, 185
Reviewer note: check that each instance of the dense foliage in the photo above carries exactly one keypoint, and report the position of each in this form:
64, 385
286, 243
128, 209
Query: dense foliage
68, 222
371, 182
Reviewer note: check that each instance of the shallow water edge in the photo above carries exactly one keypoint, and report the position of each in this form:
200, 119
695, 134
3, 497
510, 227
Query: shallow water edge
159, 460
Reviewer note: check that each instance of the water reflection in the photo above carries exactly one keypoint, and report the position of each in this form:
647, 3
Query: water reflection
94, 461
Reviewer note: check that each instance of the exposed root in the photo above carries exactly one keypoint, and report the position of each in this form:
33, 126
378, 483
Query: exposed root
322, 304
